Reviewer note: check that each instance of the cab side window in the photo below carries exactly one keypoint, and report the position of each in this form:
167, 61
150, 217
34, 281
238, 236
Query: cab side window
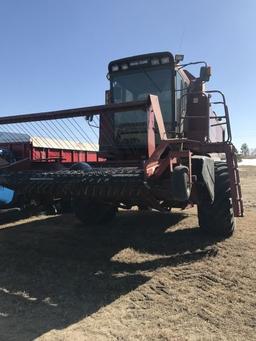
180, 91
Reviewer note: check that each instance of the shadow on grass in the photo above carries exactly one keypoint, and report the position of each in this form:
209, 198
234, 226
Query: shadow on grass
54, 272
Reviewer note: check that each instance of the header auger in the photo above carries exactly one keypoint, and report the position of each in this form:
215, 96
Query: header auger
158, 136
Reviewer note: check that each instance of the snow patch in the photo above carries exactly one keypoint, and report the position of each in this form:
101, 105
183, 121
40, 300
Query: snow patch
247, 162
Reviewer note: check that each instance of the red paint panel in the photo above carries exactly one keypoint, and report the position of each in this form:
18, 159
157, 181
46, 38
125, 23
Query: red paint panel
67, 156
91, 157
82, 156
39, 154
76, 156
53, 153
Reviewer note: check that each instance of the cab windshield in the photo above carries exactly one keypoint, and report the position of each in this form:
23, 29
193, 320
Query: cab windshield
135, 85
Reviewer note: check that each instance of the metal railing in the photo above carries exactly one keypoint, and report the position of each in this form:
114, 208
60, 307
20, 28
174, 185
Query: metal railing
210, 117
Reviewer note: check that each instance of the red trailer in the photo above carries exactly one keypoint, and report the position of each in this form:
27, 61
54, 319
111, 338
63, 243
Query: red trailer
45, 149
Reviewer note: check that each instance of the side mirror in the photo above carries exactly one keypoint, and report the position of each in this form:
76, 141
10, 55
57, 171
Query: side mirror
179, 58
205, 73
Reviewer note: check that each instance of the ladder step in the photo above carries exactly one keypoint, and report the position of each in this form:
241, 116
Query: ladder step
235, 181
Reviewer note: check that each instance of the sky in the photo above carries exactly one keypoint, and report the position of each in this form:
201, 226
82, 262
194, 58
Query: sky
54, 53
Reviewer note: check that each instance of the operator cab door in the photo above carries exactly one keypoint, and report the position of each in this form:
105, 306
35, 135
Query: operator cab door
181, 86
131, 127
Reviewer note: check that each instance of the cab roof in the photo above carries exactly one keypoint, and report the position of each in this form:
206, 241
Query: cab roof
141, 57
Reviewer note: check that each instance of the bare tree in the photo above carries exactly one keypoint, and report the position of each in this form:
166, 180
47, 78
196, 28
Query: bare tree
244, 149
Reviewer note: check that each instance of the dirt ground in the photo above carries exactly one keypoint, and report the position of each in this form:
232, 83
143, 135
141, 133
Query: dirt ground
147, 276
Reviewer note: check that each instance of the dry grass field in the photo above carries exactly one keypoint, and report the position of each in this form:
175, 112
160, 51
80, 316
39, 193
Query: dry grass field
147, 276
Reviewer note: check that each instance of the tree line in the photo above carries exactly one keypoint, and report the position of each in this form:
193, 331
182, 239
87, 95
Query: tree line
246, 151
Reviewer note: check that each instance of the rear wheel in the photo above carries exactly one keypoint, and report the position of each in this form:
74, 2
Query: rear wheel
93, 213
217, 218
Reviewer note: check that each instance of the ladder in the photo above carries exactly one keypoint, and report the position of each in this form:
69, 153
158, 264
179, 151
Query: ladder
235, 186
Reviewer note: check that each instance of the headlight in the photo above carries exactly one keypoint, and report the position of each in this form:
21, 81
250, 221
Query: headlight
155, 61
144, 61
124, 66
165, 60
115, 68
134, 63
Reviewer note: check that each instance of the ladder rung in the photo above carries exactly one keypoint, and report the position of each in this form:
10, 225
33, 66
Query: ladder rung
235, 181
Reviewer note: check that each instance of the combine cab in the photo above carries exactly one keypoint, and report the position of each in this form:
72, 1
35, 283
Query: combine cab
158, 136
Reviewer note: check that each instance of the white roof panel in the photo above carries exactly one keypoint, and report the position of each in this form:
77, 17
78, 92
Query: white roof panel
47, 142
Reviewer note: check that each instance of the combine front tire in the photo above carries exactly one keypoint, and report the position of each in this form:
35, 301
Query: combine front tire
217, 218
93, 213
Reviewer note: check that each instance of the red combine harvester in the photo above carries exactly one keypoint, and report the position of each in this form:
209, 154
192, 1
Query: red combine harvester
158, 135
